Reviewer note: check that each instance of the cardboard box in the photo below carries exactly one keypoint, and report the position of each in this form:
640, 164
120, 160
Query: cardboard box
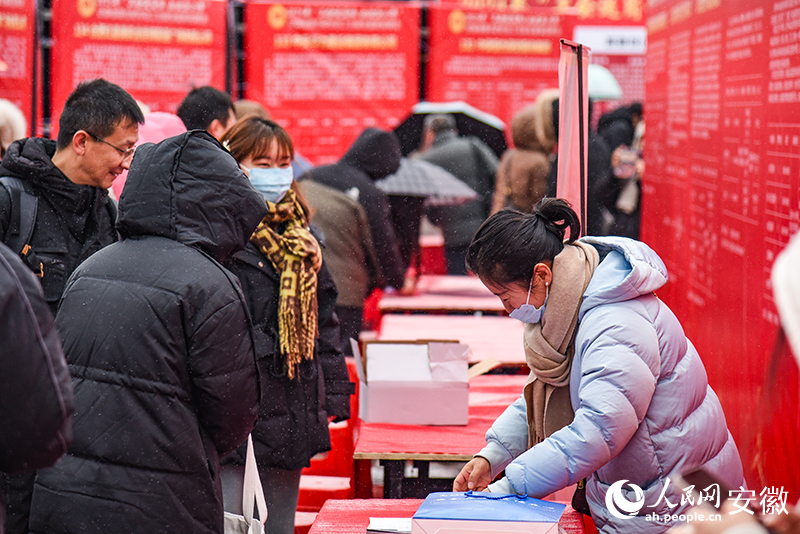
487, 513
413, 383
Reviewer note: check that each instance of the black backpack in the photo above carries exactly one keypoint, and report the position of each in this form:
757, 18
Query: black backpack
24, 205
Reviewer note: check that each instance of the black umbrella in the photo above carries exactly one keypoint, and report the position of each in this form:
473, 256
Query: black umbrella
418, 178
469, 121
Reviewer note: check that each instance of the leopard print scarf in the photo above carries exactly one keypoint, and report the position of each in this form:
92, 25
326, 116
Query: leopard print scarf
283, 237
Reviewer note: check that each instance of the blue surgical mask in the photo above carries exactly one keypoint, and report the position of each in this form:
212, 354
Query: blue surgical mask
272, 183
528, 313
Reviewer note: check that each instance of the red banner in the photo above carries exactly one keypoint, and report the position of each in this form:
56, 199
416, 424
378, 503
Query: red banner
157, 50
721, 197
17, 25
497, 61
499, 54
327, 71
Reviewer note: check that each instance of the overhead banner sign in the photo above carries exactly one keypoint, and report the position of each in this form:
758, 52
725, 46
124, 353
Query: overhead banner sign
721, 196
327, 71
498, 55
157, 50
17, 25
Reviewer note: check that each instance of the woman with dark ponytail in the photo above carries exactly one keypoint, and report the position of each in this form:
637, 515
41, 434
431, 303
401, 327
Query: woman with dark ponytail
617, 394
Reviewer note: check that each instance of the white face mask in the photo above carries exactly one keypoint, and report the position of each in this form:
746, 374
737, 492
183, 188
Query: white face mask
528, 313
272, 183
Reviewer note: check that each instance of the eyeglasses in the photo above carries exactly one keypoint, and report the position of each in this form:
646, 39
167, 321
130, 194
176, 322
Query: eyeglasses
126, 154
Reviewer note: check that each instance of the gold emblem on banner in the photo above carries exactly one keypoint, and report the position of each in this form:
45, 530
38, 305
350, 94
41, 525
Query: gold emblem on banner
456, 21
276, 17
86, 8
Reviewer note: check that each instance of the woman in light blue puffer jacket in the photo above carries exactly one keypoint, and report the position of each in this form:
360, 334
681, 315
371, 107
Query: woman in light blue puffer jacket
617, 393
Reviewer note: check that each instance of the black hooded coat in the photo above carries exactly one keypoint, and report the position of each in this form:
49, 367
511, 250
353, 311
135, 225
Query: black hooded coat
157, 335
72, 221
375, 154
616, 127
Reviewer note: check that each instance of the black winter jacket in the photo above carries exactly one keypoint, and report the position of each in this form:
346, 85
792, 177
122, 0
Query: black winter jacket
616, 127
293, 418
375, 154
72, 222
36, 401
159, 342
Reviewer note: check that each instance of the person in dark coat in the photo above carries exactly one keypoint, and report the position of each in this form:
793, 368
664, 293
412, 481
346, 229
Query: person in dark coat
58, 191
618, 128
474, 163
375, 154
36, 400
98, 129
161, 350
602, 187
304, 379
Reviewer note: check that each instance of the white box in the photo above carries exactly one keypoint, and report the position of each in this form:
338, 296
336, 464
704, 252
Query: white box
413, 382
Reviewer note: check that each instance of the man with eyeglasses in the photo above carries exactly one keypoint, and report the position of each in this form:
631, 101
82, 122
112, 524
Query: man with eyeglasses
67, 182
54, 205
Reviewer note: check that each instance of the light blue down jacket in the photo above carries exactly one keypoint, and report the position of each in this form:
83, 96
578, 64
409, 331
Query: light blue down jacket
643, 406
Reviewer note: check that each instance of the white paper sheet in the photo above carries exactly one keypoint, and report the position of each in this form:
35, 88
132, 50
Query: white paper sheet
389, 524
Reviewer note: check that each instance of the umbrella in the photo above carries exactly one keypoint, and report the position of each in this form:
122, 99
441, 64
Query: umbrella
469, 120
602, 84
418, 178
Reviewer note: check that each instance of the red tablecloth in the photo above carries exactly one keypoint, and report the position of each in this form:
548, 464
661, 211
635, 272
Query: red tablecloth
487, 336
489, 395
352, 516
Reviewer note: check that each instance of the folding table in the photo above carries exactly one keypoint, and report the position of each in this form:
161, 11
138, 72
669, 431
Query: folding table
393, 445
487, 336
352, 516
444, 294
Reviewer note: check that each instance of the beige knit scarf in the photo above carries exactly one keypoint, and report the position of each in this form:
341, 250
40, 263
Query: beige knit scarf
550, 344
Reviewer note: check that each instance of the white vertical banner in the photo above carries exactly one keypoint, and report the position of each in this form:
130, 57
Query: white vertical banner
573, 126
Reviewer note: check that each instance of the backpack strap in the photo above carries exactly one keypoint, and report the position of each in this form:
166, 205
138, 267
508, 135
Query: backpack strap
24, 205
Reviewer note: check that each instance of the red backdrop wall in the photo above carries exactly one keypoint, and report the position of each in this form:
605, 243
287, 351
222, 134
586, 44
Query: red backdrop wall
721, 199
326, 71
17, 24
499, 54
157, 50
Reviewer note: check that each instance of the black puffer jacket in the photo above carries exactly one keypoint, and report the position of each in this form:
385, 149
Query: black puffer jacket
36, 401
375, 154
293, 419
160, 346
72, 221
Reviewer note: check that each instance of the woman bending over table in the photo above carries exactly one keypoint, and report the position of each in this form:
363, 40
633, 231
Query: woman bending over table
616, 394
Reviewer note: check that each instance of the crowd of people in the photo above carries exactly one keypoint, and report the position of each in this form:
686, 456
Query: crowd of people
174, 284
